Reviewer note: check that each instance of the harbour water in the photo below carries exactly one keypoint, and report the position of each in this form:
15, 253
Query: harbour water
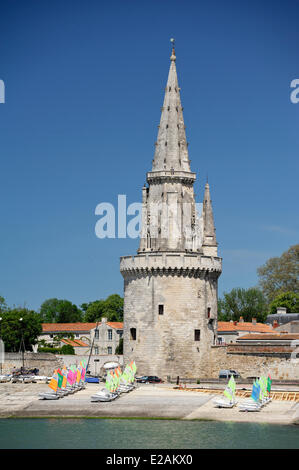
143, 434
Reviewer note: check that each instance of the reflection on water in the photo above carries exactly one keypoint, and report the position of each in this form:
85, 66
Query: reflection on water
143, 434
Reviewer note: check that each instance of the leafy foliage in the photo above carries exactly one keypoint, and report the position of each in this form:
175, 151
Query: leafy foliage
3, 306
60, 311
112, 308
289, 300
48, 349
279, 275
12, 329
94, 311
67, 349
120, 347
247, 303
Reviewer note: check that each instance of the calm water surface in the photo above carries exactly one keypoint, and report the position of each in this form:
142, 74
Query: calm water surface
143, 434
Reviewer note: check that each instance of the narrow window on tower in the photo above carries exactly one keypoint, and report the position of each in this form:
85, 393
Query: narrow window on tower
133, 333
161, 309
209, 312
196, 335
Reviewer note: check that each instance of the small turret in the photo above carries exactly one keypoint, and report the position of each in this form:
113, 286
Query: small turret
209, 233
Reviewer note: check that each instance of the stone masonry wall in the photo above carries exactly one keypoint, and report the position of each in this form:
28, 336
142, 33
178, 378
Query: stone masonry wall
254, 362
45, 362
96, 362
165, 344
48, 362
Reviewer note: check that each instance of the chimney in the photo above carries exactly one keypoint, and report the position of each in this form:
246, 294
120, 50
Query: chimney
275, 324
254, 321
281, 310
241, 320
235, 323
104, 320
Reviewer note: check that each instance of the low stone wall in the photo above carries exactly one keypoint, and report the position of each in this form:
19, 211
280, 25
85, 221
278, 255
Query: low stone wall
96, 362
251, 361
45, 362
48, 362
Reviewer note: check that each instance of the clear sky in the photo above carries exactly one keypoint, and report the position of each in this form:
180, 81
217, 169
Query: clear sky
84, 87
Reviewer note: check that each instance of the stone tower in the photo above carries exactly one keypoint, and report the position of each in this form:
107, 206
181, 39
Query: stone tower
170, 286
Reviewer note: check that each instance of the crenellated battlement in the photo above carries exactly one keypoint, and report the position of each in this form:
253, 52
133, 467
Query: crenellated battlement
163, 263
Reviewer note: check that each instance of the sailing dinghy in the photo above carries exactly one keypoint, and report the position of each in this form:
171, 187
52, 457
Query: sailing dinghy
230, 396
254, 403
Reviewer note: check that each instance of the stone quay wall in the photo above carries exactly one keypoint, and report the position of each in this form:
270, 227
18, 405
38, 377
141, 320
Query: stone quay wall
45, 362
48, 362
251, 361
96, 362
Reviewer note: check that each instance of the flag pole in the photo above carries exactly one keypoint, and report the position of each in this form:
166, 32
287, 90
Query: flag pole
96, 329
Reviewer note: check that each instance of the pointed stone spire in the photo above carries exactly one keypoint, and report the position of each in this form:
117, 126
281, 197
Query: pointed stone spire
209, 233
171, 152
169, 219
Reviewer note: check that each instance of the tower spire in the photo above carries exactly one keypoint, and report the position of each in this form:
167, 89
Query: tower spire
209, 232
171, 147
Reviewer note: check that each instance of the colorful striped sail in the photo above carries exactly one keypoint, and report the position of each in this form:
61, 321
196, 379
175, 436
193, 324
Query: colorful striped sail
108, 383
269, 383
264, 382
229, 392
60, 378
255, 391
78, 374
83, 369
54, 382
64, 373
70, 377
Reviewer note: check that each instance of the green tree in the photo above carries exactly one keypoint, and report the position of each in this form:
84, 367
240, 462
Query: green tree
247, 303
112, 308
280, 274
59, 311
94, 311
120, 348
13, 329
289, 300
67, 349
3, 306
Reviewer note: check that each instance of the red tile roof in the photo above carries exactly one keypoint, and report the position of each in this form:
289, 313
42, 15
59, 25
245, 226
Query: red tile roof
75, 343
76, 327
244, 326
273, 336
116, 324
70, 327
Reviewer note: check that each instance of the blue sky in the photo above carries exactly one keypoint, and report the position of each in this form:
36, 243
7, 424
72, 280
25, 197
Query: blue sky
84, 87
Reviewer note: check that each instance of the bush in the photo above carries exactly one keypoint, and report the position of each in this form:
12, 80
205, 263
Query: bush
289, 300
66, 349
120, 348
49, 350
